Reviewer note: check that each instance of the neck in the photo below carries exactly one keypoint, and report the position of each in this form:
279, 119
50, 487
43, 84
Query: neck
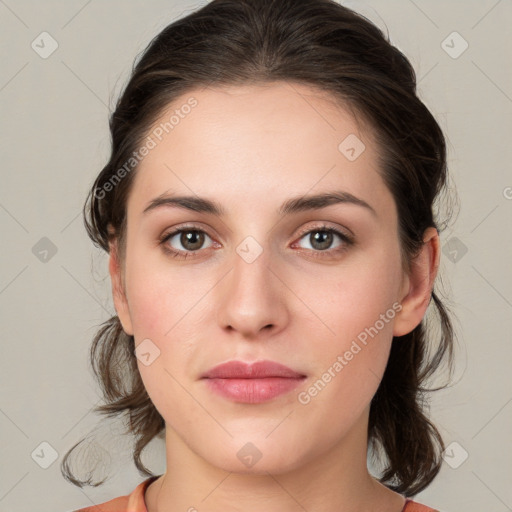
337, 480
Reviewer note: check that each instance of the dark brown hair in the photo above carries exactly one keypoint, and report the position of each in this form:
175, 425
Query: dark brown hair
322, 44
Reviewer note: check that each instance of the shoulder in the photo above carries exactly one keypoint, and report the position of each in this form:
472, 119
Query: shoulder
119, 504
133, 502
414, 506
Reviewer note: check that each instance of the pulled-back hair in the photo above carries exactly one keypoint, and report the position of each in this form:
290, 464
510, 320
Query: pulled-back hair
330, 47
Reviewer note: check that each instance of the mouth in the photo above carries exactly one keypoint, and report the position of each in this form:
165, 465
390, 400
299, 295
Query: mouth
252, 383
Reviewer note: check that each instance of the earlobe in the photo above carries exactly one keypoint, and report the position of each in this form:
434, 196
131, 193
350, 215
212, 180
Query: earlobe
118, 291
419, 284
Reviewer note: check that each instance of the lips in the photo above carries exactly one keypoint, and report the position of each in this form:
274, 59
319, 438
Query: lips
252, 383
257, 370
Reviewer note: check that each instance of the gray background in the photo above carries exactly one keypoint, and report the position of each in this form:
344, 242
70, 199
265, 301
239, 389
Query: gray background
54, 139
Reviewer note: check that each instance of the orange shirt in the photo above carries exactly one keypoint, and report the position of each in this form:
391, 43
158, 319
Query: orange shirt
134, 502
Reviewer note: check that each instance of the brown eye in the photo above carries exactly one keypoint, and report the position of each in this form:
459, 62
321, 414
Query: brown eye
322, 239
184, 240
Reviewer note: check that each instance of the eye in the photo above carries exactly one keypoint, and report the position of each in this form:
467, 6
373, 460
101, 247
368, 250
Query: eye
190, 240
321, 238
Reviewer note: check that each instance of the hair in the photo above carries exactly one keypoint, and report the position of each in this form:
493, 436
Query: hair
327, 46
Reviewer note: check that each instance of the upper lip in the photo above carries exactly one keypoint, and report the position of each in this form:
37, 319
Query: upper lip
256, 370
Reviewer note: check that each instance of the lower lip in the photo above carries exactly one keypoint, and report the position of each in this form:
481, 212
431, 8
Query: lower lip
253, 391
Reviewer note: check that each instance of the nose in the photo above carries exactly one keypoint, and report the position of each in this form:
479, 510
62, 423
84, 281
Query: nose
251, 298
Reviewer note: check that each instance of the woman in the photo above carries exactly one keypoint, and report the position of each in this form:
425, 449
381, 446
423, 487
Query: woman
268, 212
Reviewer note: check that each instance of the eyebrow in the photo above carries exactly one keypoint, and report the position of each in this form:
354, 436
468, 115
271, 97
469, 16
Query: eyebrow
293, 205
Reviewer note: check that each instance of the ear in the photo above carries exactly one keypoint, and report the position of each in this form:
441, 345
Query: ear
118, 291
417, 289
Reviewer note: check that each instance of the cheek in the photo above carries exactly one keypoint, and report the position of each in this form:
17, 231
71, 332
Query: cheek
359, 307
354, 298
167, 310
350, 362
160, 309
158, 297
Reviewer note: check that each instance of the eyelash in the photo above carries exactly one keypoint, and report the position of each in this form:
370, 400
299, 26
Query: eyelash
346, 239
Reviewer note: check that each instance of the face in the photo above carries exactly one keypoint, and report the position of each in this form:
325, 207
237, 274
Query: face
317, 289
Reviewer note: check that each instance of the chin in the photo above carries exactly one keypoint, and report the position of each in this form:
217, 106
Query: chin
255, 458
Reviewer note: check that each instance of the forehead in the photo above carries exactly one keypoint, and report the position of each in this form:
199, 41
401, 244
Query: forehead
256, 141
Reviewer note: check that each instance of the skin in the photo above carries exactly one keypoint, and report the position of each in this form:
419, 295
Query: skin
251, 148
